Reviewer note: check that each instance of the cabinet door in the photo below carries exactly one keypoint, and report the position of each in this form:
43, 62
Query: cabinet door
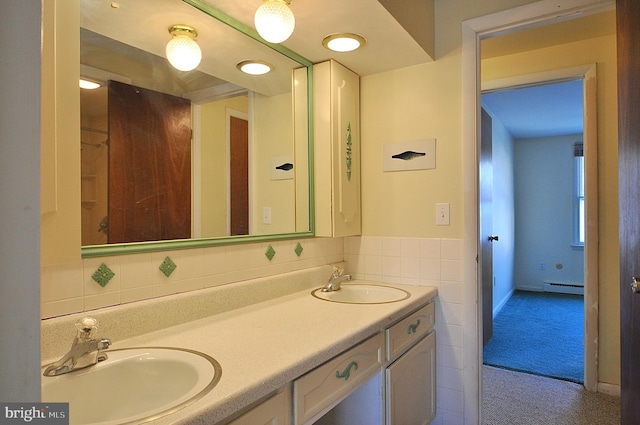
411, 391
345, 86
337, 150
274, 411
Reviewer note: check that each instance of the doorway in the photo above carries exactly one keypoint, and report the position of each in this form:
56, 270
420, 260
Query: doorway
536, 277
536, 14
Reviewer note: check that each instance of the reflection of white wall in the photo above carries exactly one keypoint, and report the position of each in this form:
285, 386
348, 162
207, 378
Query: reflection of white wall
503, 215
544, 212
272, 137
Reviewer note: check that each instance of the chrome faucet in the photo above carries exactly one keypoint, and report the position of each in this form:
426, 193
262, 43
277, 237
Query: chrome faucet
85, 350
336, 278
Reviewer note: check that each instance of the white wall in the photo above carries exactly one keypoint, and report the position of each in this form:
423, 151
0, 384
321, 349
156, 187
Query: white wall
503, 215
544, 213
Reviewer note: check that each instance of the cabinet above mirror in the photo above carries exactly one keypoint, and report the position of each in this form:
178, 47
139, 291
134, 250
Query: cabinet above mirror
233, 168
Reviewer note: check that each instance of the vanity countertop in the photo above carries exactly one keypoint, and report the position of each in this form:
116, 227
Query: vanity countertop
264, 346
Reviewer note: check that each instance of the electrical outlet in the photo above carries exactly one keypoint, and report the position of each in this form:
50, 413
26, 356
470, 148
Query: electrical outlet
442, 214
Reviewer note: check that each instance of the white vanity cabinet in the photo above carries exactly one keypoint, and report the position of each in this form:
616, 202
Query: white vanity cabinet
274, 411
336, 112
322, 388
410, 378
369, 387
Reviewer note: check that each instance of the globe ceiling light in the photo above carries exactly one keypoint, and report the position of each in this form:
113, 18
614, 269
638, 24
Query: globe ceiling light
274, 21
182, 50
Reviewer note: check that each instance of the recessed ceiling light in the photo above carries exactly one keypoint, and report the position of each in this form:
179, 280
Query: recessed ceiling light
89, 85
254, 67
343, 42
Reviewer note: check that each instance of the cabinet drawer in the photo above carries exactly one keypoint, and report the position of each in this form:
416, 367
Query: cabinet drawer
406, 332
320, 389
274, 411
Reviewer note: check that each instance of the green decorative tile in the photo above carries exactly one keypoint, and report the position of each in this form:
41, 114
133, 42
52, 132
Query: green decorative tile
270, 253
298, 249
103, 275
167, 267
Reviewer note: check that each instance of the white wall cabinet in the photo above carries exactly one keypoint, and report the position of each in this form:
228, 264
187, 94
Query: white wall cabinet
336, 111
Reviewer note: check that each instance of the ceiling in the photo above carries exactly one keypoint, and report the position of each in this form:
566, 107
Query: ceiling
544, 110
389, 46
540, 111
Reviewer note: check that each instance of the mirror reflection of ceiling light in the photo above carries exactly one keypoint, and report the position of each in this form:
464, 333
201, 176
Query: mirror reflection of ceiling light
274, 20
182, 51
254, 67
343, 42
89, 85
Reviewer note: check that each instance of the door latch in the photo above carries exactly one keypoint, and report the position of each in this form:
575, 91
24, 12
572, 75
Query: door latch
635, 285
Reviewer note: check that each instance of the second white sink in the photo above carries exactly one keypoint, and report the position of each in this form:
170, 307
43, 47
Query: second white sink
133, 385
363, 293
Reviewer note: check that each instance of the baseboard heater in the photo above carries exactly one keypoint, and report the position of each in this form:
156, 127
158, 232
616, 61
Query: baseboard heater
564, 288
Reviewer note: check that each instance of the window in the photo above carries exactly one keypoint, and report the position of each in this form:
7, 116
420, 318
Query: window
578, 216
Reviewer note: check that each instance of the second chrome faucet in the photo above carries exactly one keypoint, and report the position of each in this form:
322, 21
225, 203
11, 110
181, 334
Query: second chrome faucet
336, 278
85, 350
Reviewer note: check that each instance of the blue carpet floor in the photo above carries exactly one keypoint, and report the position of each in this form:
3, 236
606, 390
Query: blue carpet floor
539, 333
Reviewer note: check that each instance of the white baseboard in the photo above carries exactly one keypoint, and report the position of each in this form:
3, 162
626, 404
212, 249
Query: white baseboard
610, 389
502, 303
530, 288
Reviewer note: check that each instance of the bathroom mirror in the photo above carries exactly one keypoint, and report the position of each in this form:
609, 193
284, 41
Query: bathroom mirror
177, 159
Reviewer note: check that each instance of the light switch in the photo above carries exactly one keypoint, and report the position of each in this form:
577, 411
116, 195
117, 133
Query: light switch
266, 215
442, 214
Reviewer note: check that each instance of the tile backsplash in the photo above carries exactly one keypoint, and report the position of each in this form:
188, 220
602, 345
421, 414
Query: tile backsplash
72, 288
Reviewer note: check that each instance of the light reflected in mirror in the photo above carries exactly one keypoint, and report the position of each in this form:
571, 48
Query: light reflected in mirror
167, 155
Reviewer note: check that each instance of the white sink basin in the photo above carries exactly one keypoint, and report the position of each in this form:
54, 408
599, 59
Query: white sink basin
133, 385
356, 293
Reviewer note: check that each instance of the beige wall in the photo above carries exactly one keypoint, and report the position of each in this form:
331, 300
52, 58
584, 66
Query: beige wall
601, 51
424, 101
213, 132
272, 137
419, 102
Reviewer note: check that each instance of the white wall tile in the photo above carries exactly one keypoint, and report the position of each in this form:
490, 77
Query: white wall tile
430, 248
69, 288
391, 266
430, 268
410, 248
135, 271
451, 270
451, 249
392, 247
61, 282
372, 245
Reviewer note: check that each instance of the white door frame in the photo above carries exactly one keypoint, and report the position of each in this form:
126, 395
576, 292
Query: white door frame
473, 31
